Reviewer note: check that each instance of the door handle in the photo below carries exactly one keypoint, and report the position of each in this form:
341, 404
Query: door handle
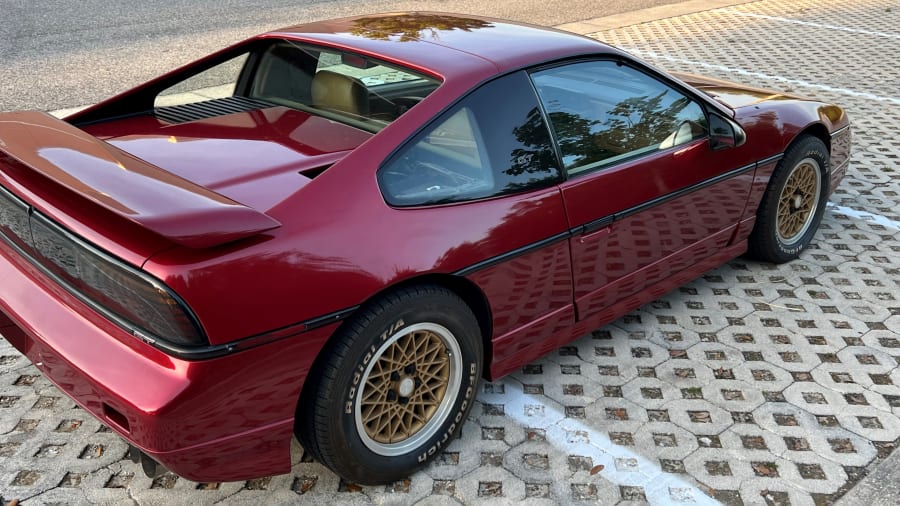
595, 235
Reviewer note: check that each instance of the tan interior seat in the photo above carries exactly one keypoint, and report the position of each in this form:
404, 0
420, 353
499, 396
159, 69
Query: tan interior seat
339, 92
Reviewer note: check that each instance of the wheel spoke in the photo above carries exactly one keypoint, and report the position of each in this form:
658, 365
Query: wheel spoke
408, 348
379, 377
435, 390
375, 413
435, 363
438, 374
427, 346
375, 396
407, 417
416, 416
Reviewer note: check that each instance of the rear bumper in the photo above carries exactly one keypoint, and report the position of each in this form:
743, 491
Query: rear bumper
223, 419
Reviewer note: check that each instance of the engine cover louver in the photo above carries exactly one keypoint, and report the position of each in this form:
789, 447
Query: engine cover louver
208, 109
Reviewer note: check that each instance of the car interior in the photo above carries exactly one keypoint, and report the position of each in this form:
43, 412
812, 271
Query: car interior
345, 87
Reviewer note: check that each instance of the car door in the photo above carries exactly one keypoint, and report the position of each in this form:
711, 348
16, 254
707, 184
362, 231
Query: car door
645, 195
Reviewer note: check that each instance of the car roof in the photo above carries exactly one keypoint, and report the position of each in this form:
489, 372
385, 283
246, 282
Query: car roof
445, 43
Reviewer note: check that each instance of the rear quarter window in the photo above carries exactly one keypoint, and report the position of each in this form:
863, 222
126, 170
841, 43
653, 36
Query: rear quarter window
493, 142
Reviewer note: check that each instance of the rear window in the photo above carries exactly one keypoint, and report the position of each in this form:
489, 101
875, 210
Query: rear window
347, 87
342, 86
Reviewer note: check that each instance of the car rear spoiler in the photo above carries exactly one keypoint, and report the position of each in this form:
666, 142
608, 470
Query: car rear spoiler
157, 200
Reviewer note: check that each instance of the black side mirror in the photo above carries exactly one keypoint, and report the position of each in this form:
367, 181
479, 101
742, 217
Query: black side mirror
725, 133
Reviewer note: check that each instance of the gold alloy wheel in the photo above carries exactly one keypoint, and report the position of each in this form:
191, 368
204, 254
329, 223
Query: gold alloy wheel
799, 201
408, 389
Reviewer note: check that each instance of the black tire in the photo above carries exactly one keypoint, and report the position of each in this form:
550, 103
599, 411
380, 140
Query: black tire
371, 376
792, 207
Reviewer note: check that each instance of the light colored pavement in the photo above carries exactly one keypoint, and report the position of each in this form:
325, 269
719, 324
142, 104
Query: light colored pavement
756, 384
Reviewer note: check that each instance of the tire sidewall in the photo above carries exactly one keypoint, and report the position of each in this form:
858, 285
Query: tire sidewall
778, 250
449, 313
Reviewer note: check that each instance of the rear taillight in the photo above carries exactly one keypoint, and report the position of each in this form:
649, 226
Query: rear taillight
133, 299
147, 307
14, 219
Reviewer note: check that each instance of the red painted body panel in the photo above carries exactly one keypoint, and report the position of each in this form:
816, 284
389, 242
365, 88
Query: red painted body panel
128, 187
190, 406
340, 244
505, 363
255, 157
328, 267
645, 247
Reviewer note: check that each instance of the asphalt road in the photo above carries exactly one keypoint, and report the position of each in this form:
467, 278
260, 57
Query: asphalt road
56, 54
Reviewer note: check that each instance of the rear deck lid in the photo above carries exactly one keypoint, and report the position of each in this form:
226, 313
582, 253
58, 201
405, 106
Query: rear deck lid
39, 149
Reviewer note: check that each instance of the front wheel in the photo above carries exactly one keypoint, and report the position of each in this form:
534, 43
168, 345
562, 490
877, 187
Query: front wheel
793, 204
397, 384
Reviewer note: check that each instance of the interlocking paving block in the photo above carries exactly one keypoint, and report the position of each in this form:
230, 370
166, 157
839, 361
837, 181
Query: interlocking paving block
755, 384
666, 440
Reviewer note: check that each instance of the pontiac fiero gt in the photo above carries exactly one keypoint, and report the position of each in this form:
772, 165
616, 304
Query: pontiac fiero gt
336, 230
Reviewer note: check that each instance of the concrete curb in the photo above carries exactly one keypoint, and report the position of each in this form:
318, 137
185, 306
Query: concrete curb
881, 487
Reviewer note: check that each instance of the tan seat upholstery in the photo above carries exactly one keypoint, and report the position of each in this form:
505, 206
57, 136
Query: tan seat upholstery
338, 92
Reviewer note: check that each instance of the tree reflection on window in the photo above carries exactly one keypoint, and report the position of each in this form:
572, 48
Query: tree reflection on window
494, 142
413, 26
602, 113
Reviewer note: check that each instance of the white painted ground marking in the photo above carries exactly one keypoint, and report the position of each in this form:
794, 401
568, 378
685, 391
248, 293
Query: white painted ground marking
621, 465
760, 75
815, 25
865, 216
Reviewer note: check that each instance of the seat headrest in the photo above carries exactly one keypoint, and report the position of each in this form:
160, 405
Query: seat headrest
340, 92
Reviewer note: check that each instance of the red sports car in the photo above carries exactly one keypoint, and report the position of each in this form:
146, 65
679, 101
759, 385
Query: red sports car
335, 230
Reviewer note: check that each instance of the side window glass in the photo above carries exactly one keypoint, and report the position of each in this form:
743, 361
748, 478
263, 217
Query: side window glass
603, 112
493, 142
216, 82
